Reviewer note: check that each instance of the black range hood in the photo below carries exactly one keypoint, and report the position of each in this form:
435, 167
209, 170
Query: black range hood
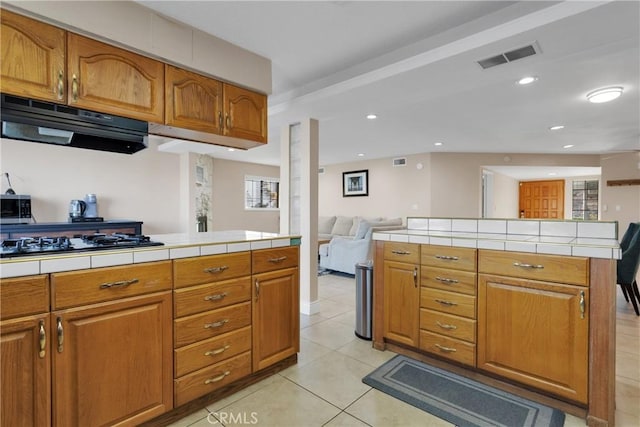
49, 123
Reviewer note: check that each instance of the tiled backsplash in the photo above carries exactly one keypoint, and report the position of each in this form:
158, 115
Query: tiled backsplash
529, 227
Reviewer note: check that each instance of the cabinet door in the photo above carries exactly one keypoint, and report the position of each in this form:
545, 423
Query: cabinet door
401, 302
111, 80
113, 362
276, 317
32, 58
25, 397
535, 333
245, 114
193, 101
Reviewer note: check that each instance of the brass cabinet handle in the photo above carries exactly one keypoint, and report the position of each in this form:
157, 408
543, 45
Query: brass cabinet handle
446, 349
220, 120
214, 270
60, 334
277, 260
447, 326
447, 257
216, 324
415, 277
228, 121
401, 252
217, 351
120, 284
445, 302
523, 265
218, 378
216, 297
43, 340
447, 281
60, 85
257, 289
582, 305
74, 87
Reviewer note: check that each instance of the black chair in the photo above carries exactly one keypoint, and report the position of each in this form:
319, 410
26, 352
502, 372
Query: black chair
627, 270
624, 244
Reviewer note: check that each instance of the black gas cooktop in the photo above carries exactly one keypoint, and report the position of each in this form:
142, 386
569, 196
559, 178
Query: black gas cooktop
25, 246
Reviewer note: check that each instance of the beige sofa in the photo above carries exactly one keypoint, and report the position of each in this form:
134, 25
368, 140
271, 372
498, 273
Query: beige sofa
350, 240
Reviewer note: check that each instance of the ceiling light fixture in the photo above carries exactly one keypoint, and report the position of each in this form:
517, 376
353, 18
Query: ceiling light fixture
604, 95
556, 127
360, 154
438, 144
568, 146
371, 116
552, 174
231, 149
527, 80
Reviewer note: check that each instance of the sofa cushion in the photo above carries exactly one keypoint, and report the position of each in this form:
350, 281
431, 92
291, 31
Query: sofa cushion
342, 226
354, 225
325, 224
363, 228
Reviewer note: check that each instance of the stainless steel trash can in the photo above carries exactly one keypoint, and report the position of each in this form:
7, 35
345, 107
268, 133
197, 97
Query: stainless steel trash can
364, 299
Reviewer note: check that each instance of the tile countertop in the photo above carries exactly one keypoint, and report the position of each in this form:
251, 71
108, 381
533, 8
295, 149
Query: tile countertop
555, 245
179, 245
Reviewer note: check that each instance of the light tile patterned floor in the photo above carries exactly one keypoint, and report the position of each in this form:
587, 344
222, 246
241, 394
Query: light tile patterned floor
325, 388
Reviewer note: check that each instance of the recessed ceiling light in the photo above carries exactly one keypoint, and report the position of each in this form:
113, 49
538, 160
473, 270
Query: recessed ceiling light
527, 80
604, 95
556, 127
438, 144
371, 116
552, 174
568, 146
360, 154
231, 149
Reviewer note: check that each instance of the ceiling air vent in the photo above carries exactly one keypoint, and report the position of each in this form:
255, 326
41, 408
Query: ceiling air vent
510, 56
400, 161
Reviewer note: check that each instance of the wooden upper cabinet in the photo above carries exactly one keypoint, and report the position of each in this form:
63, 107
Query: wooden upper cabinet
193, 101
111, 80
33, 58
245, 114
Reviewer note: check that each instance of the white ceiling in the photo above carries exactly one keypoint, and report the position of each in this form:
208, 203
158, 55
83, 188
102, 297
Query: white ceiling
414, 65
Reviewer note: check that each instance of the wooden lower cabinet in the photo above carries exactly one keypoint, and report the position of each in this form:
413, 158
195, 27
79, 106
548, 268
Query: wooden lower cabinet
401, 303
25, 392
535, 333
112, 362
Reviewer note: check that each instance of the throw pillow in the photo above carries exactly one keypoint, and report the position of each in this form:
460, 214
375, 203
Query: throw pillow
342, 226
363, 228
354, 226
325, 224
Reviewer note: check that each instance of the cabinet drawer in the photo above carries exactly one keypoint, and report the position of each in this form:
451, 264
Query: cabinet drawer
211, 378
274, 259
23, 296
212, 323
204, 353
207, 269
211, 296
448, 257
449, 325
83, 287
451, 348
402, 252
449, 280
448, 302
550, 268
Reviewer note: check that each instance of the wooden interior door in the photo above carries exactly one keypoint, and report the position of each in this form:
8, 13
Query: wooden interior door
542, 199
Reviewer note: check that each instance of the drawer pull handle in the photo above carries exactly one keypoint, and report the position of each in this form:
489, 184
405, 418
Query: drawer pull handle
214, 270
523, 265
277, 260
415, 277
218, 378
447, 326
582, 305
447, 281
401, 252
60, 335
216, 324
43, 340
257, 290
217, 351
216, 297
447, 257
119, 284
445, 302
446, 349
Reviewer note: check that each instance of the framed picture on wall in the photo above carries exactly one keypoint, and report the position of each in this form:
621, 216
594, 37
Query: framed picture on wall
355, 183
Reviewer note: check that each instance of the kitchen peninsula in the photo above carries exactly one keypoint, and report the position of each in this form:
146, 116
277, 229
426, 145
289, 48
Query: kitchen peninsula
525, 304
170, 327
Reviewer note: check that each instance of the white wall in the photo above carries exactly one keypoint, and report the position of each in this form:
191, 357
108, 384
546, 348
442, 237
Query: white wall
623, 202
505, 197
141, 187
228, 198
